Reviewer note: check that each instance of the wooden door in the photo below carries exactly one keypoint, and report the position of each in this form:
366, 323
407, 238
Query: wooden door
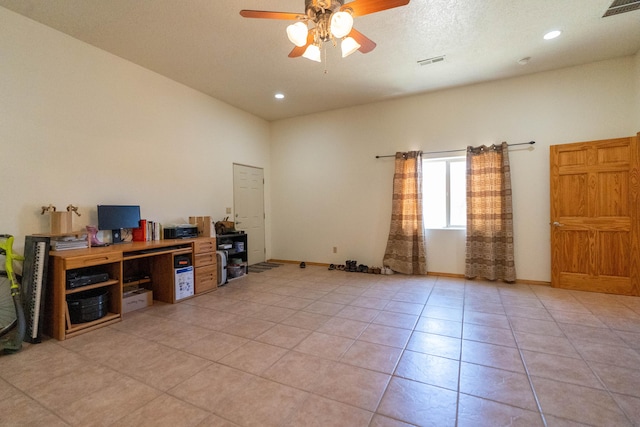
594, 216
248, 205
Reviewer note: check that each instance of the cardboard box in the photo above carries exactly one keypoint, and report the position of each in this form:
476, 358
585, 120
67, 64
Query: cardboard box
61, 222
204, 224
136, 300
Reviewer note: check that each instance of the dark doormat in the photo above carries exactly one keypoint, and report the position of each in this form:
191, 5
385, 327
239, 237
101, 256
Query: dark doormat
262, 266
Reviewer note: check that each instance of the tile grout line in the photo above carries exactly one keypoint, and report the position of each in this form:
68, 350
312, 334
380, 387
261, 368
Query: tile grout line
526, 369
588, 362
570, 341
434, 292
464, 298
543, 419
395, 367
311, 393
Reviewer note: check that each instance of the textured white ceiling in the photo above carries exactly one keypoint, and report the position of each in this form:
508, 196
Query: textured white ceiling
207, 45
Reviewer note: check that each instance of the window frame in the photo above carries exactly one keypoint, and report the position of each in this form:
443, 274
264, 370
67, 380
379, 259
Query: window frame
447, 160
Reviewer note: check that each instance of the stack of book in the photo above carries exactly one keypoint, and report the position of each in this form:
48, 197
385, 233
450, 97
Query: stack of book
147, 231
69, 242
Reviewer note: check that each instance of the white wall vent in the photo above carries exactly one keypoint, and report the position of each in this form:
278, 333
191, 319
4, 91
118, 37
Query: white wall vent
622, 6
434, 59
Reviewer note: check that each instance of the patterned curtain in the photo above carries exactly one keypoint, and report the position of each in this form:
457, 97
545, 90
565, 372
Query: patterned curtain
406, 250
489, 214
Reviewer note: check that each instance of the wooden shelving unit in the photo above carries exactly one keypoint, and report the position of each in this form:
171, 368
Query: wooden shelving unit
151, 263
233, 252
105, 262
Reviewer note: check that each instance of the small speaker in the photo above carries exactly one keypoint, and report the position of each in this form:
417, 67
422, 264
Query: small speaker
116, 236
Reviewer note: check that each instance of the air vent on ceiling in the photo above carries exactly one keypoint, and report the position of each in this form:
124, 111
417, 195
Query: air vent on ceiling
622, 6
431, 60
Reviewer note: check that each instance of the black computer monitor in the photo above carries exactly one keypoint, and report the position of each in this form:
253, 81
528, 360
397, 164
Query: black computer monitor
117, 217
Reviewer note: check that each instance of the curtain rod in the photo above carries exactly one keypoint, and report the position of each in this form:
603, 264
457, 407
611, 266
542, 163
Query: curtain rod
455, 151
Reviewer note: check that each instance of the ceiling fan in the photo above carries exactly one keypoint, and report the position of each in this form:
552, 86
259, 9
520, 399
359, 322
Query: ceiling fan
331, 20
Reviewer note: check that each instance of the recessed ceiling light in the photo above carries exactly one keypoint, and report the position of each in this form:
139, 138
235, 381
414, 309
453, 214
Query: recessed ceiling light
552, 34
279, 95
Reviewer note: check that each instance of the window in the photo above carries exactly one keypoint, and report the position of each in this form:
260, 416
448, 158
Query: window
444, 192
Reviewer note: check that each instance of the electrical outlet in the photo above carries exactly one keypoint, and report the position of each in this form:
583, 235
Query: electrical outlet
335, 249
228, 210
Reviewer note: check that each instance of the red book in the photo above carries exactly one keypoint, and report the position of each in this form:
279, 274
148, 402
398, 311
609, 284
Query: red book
140, 233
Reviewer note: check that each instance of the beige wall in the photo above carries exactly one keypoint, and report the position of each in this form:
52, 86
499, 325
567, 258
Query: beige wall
81, 126
329, 190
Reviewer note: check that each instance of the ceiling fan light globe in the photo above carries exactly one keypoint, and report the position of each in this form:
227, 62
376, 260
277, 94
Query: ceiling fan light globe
313, 53
297, 33
348, 46
341, 24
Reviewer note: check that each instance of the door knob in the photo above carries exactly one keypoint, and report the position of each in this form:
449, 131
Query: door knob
557, 224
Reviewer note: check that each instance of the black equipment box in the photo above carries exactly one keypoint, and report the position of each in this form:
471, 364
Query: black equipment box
79, 280
186, 231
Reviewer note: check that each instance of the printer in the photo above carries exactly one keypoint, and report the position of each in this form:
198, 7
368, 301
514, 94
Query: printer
183, 231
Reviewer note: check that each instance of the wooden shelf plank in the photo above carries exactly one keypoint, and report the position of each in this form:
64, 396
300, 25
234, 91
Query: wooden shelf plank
75, 327
94, 286
96, 324
136, 282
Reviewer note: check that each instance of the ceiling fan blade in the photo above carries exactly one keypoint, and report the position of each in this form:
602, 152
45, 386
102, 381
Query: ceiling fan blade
298, 51
365, 7
271, 15
366, 44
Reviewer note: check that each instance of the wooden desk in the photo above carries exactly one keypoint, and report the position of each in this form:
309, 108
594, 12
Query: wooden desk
144, 264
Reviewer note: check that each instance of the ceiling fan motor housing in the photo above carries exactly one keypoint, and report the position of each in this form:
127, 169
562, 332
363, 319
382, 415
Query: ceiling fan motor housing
331, 20
319, 12
314, 6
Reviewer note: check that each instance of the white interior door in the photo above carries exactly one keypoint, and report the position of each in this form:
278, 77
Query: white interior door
248, 206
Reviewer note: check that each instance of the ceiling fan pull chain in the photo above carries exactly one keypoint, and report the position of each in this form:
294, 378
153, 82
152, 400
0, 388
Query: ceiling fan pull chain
325, 61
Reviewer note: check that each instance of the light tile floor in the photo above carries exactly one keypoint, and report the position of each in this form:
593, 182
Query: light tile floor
312, 347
